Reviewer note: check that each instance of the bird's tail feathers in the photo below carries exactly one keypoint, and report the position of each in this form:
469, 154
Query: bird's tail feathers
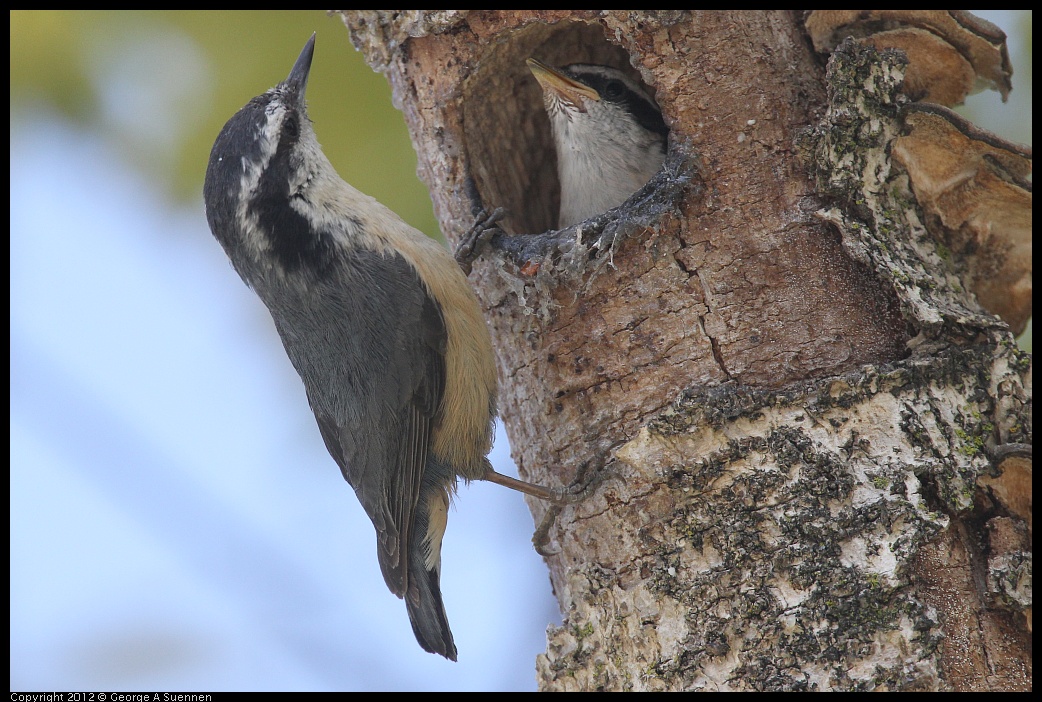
427, 613
423, 599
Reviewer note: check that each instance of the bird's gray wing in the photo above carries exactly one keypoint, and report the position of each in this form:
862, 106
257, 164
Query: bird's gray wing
375, 398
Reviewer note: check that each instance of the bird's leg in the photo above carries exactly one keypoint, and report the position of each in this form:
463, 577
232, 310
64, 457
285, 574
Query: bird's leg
539, 491
475, 241
578, 491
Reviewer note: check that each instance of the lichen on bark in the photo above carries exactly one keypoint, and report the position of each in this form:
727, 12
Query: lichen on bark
793, 539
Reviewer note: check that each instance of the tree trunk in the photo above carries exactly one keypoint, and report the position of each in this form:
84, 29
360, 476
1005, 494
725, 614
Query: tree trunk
796, 403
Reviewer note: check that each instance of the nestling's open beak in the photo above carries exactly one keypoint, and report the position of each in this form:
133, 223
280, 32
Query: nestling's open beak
560, 85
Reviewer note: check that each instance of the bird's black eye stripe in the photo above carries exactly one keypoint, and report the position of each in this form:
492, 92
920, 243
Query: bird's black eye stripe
647, 115
291, 128
614, 90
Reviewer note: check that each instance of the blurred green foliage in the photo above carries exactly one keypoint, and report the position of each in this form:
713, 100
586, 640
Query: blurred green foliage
159, 85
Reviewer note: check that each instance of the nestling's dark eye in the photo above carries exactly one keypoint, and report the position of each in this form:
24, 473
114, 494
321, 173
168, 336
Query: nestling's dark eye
614, 89
291, 128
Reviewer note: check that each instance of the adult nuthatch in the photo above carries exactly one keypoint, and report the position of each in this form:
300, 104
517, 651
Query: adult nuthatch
379, 322
608, 132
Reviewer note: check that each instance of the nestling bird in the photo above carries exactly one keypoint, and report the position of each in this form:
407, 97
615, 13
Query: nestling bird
608, 132
379, 322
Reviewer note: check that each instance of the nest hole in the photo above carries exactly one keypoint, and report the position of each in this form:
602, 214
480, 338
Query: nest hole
507, 138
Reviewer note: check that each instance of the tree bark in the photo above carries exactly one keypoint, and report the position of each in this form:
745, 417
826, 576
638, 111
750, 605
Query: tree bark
796, 401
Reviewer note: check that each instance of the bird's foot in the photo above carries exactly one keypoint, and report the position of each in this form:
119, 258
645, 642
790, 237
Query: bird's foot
478, 238
581, 488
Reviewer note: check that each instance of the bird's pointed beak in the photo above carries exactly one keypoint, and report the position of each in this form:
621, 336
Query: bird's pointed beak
562, 86
297, 81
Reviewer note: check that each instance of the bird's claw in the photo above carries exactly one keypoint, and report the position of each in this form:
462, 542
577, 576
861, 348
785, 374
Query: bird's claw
479, 236
581, 488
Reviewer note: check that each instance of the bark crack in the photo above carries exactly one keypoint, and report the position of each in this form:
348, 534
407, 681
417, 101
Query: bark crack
713, 341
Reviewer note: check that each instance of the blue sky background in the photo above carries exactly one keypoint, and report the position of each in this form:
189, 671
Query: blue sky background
176, 523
